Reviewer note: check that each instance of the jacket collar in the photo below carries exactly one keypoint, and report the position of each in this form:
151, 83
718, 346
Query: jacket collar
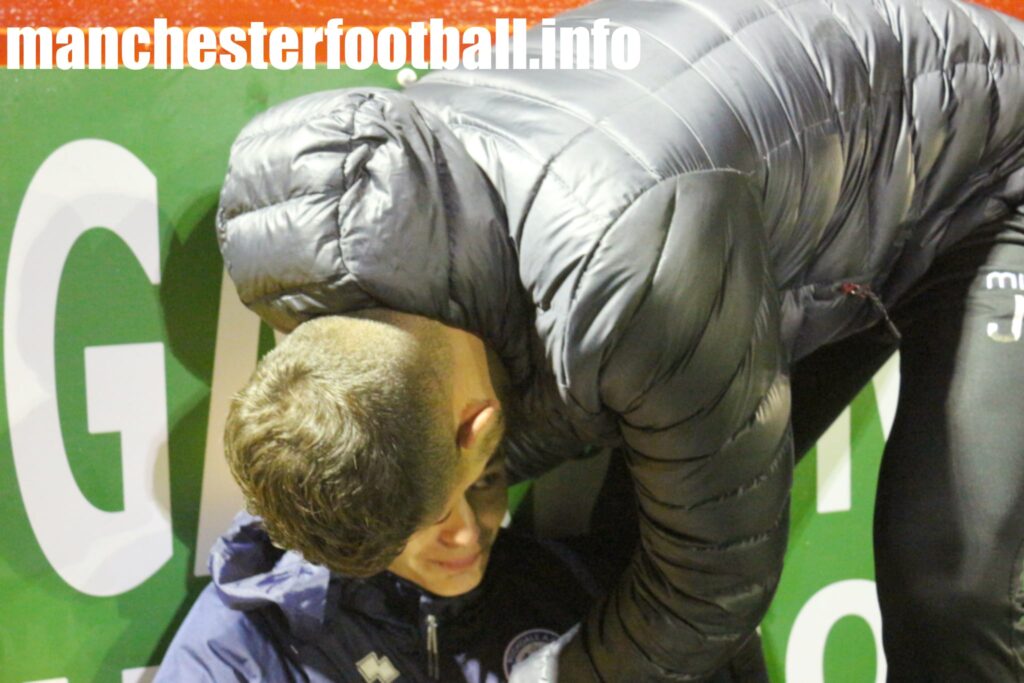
249, 572
387, 597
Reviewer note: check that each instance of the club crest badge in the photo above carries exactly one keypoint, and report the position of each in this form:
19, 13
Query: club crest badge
525, 644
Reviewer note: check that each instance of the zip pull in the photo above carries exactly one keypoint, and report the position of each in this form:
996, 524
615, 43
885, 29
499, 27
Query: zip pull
865, 292
433, 657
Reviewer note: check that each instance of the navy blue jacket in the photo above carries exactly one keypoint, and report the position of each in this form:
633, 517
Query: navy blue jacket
269, 615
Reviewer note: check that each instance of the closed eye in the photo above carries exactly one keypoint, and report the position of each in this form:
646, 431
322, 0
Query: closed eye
493, 477
444, 519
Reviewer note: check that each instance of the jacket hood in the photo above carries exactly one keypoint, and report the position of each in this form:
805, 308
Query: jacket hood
249, 572
349, 199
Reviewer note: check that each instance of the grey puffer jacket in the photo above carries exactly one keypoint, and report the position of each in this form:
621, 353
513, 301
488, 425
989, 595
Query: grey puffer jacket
649, 250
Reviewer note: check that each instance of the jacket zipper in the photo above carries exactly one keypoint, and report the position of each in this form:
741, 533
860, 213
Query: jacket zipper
433, 657
865, 292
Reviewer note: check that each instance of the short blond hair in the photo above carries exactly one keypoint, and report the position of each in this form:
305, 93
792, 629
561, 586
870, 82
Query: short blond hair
342, 441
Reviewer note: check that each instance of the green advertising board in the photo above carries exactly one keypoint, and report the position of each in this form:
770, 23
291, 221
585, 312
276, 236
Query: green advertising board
121, 346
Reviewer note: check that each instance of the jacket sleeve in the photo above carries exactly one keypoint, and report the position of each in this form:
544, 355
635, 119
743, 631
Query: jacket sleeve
675, 331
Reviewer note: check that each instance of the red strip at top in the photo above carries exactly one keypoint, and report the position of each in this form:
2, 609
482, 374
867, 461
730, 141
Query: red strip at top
272, 12
1012, 7
296, 13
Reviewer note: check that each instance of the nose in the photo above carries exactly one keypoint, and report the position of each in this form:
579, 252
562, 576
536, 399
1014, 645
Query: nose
461, 529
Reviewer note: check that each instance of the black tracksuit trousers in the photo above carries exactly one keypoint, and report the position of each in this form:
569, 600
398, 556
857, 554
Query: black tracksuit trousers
949, 515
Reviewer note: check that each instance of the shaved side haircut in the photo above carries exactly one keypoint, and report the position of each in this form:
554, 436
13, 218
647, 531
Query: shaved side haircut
343, 441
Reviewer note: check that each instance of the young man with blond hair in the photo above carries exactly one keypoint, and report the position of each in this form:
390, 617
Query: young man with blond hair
351, 420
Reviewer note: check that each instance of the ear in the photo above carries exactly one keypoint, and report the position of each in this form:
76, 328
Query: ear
476, 424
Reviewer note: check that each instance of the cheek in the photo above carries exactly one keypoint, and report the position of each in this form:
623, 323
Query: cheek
417, 549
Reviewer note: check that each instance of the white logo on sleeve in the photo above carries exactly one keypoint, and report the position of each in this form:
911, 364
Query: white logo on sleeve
993, 328
1012, 281
525, 644
376, 669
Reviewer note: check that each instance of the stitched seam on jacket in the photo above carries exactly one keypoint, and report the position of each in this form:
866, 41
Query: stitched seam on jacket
781, 452
742, 587
758, 585
685, 359
671, 536
716, 302
581, 270
883, 14
645, 292
599, 123
695, 67
966, 62
1001, 18
581, 273
654, 95
904, 115
845, 27
944, 49
599, 240
947, 72
746, 52
787, 22
948, 67
974, 24
995, 113
329, 115
760, 322
730, 36
445, 179
466, 82
727, 38
327, 194
570, 193
300, 289
644, 592
670, 607
809, 128
943, 44
277, 130
628, 201
663, 674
